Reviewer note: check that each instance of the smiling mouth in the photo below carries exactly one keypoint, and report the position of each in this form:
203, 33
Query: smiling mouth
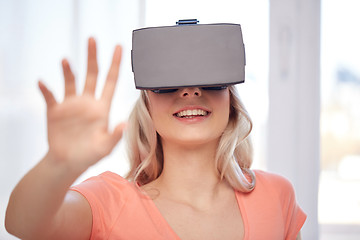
191, 113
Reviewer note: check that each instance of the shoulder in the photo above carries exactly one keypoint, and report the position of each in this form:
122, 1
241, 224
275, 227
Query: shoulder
106, 179
271, 178
107, 195
105, 187
276, 187
273, 181
280, 198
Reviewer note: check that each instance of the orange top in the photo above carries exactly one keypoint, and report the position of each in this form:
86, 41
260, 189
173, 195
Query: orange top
122, 211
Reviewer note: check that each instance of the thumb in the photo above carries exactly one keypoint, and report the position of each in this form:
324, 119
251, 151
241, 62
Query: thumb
118, 133
48, 96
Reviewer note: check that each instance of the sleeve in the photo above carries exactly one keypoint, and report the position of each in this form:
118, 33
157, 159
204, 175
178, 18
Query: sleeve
106, 199
294, 217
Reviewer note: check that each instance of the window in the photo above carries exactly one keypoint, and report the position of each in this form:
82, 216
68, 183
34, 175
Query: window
339, 195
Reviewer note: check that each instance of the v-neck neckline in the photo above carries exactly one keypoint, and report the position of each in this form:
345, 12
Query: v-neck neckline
164, 222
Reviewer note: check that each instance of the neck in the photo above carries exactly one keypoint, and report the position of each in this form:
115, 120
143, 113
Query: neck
189, 173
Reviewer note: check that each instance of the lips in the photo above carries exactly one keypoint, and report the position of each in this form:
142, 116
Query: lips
191, 113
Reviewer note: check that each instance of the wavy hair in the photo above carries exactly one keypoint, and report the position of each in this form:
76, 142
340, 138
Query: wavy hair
233, 156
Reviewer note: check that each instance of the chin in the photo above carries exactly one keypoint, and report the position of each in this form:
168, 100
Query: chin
194, 141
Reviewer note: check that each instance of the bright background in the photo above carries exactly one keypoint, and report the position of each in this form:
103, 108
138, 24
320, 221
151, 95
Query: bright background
35, 35
339, 193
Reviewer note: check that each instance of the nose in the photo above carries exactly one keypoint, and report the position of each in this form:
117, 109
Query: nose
190, 92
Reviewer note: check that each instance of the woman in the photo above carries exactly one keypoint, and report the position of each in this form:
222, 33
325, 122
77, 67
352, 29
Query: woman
190, 157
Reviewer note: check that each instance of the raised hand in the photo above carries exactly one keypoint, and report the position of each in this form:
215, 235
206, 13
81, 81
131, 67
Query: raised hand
78, 133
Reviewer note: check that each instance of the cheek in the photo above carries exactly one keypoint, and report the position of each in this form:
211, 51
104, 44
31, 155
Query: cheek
223, 105
156, 105
155, 112
158, 109
225, 113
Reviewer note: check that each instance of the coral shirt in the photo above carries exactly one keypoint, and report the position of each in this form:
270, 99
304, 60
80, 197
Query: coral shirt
122, 211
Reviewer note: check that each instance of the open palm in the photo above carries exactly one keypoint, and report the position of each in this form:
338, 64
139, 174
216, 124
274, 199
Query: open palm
78, 132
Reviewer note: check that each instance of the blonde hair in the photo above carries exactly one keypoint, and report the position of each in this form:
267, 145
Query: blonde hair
233, 156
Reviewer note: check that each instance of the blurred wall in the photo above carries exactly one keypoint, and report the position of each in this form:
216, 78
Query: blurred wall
294, 96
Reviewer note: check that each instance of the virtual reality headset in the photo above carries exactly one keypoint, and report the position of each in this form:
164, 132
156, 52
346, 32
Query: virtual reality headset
188, 55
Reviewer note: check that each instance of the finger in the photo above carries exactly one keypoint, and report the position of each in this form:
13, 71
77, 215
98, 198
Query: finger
112, 76
92, 68
117, 134
49, 97
69, 78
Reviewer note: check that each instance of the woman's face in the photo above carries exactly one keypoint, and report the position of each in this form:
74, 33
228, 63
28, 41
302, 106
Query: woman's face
190, 116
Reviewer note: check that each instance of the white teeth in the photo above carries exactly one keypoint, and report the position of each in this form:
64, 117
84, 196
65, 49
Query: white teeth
192, 113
